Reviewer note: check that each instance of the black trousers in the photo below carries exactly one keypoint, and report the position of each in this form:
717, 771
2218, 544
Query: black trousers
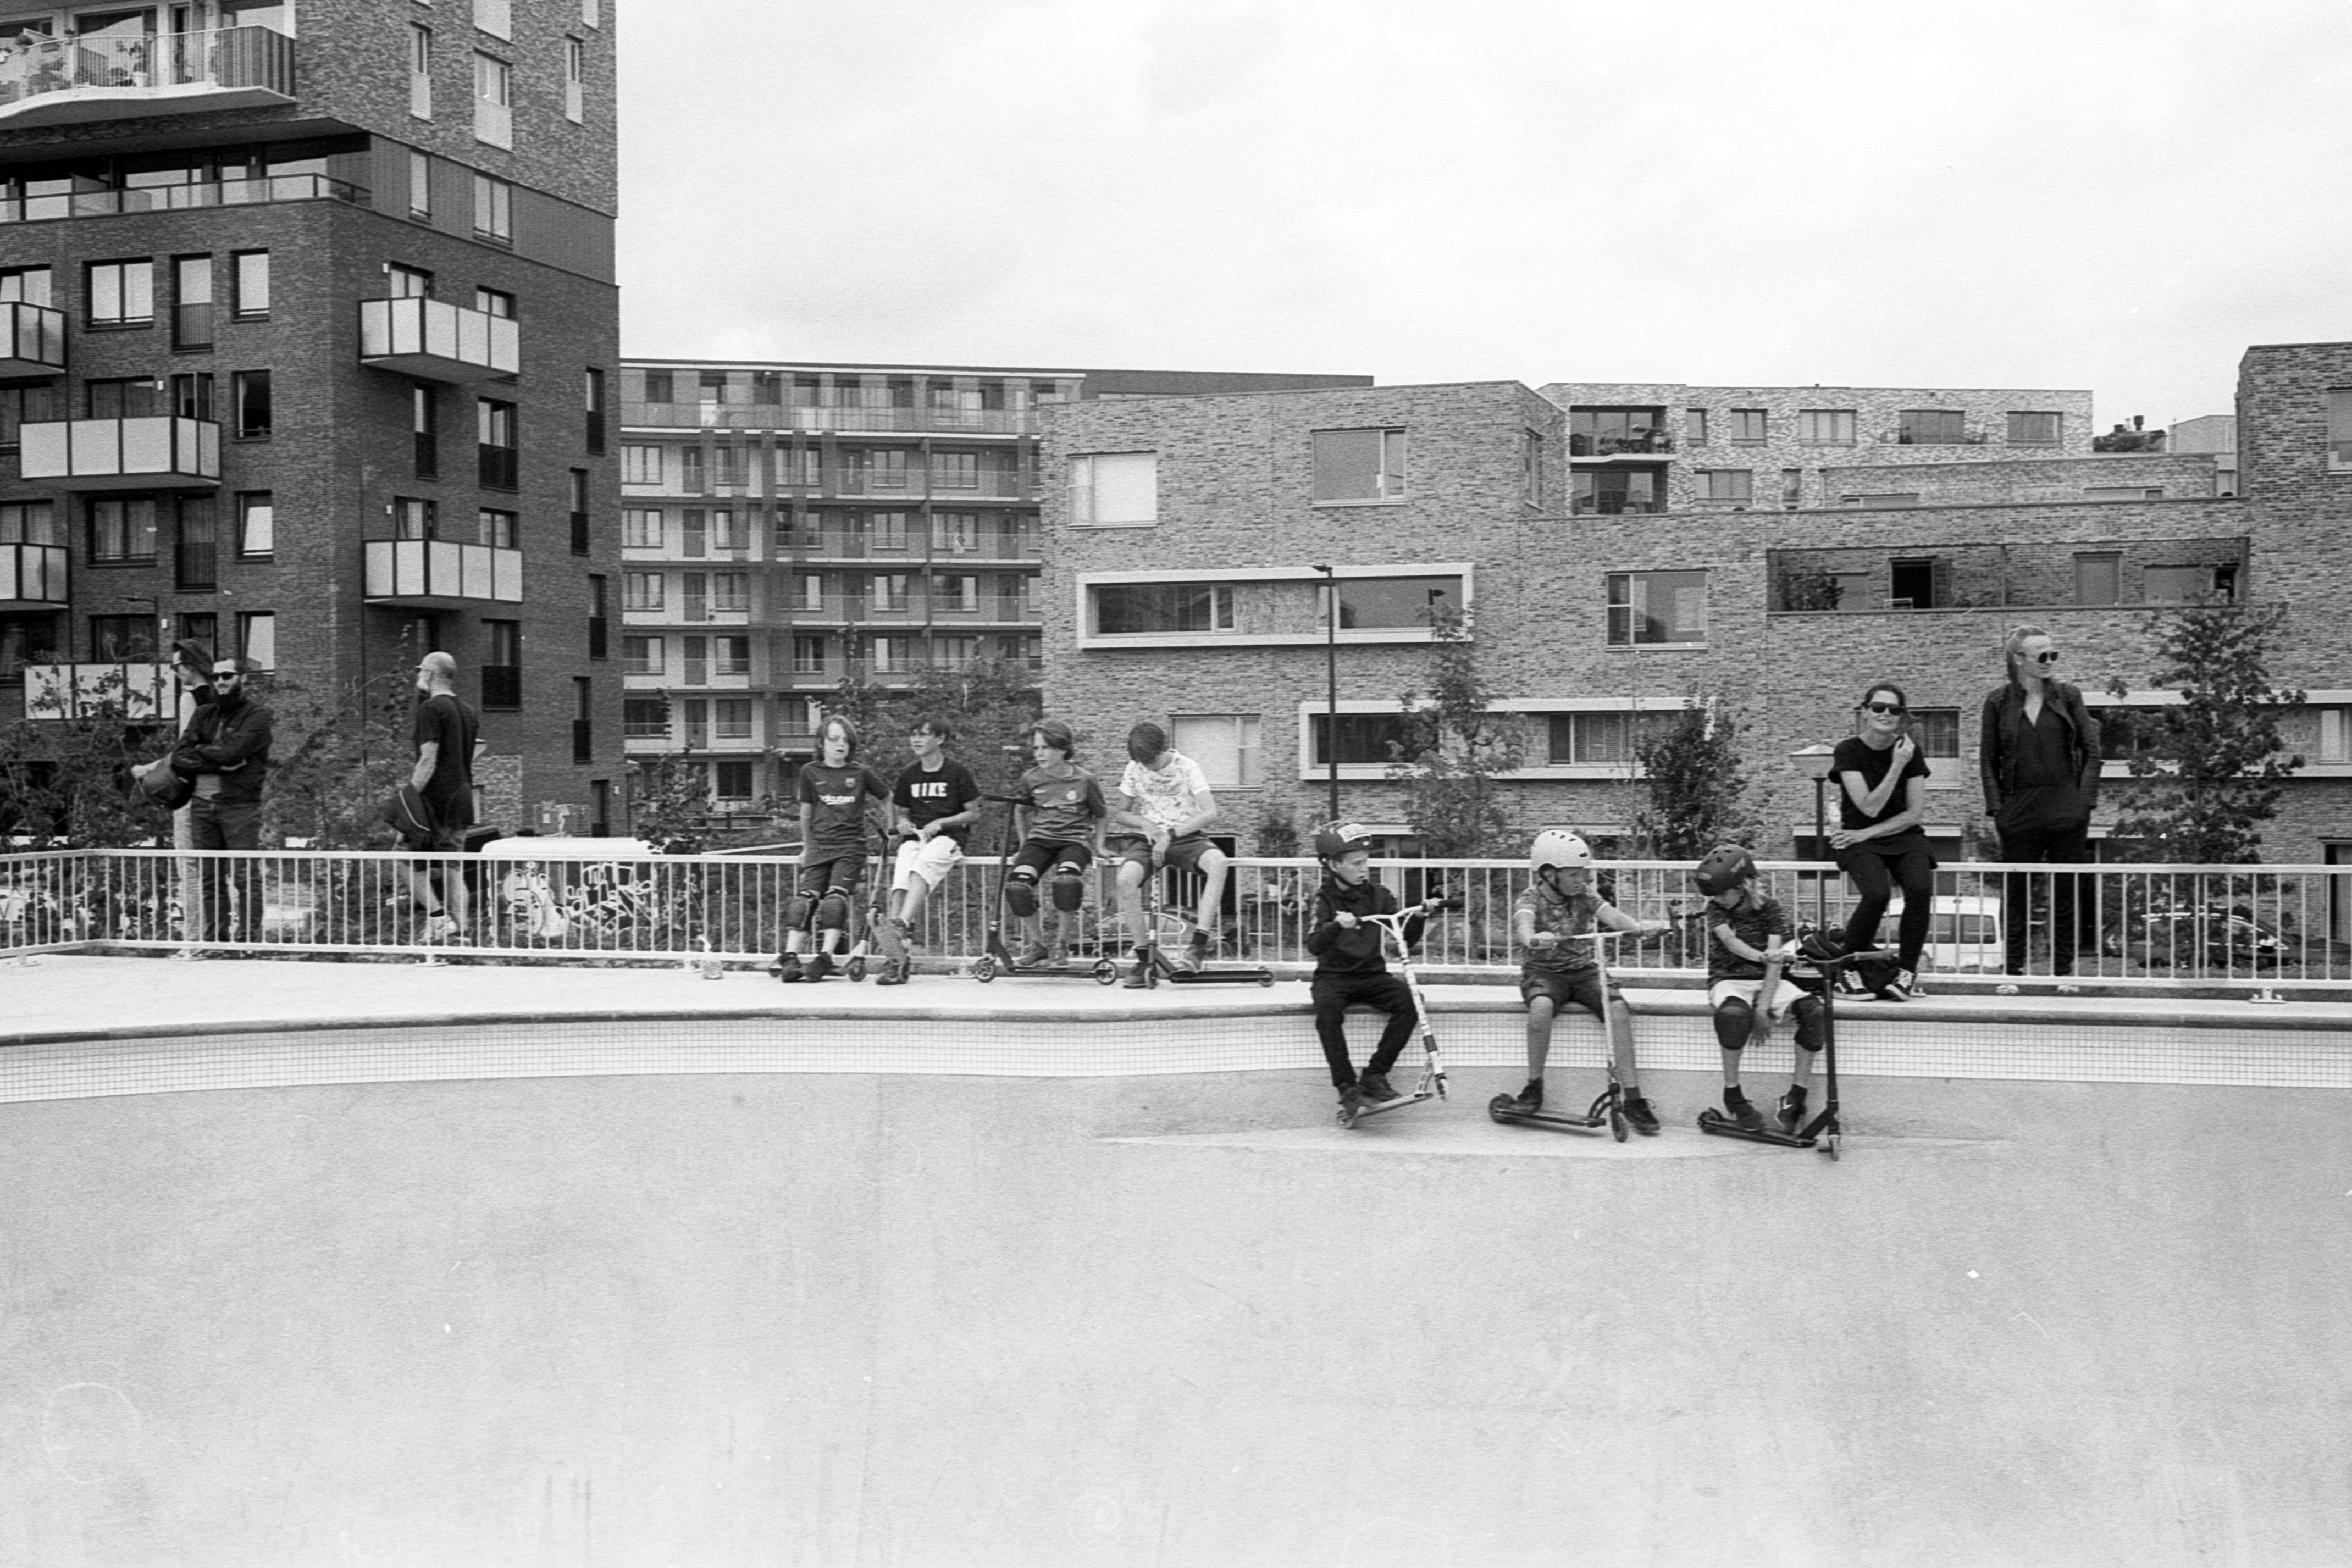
1875, 874
1334, 994
2065, 843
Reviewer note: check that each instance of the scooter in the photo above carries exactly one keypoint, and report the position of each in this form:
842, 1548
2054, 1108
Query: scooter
873, 931
1162, 928
1607, 1108
1432, 1085
997, 957
1823, 1131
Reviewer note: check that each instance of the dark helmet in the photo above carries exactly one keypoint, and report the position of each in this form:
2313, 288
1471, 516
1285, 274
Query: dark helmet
1725, 868
1339, 838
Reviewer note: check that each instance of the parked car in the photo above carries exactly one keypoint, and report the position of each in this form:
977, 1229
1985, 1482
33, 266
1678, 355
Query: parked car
1963, 935
2218, 938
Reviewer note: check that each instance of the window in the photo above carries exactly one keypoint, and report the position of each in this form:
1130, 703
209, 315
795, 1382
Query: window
406, 282
1883, 498
2098, 578
1607, 739
641, 528
195, 561
808, 656
1931, 427
502, 664
955, 652
495, 302
493, 209
731, 719
425, 429
1610, 432
800, 465
1695, 426
578, 509
1531, 445
659, 387
256, 637
955, 593
119, 637
955, 533
645, 718
416, 519
885, 591
501, 464
955, 470
641, 591
892, 654
590, 13
122, 293
1726, 484
575, 71
1359, 465
192, 395
690, 470
122, 530
2187, 584
1609, 492
1225, 744
495, 527
19, 405
420, 72
1656, 607
200, 628
600, 605
1374, 603
252, 285
887, 531
728, 467
256, 524
2339, 431
2034, 429
25, 285
730, 591
129, 397
593, 408
885, 470
1125, 609
695, 588
641, 655
731, 656
2334, 735
420, 186
584, 721
1792, 486
495, 17
1366, 739
493, 103
1940, 736
29, 523
1825, 427
1748, 427
2126, 732
192, 302
249, 392
808, 592
2123, 492
732, 778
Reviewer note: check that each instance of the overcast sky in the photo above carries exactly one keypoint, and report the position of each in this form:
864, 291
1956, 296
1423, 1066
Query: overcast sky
2111, 196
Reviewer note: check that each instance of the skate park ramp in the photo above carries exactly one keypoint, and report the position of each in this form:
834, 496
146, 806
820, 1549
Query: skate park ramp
897, 1319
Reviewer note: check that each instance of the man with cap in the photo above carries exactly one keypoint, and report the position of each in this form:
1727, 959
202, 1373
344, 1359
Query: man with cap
444, 775
225, 750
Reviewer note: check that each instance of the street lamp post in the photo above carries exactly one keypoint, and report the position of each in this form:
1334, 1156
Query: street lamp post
1331, 680
1813, 762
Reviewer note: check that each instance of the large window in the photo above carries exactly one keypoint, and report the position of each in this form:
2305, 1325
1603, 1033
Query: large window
1388, 602
29, 523
1940, 736
122, 293
256, 524
730, 591
493, 100
122, 530
415, 518
641, 655
254, 418
1748, 426
1607, 739
1608, 492
731, 655
494, 427
1825, 426
496, 528
493, 209
1225, 744
1360, 465
117, 637
502, 664
1115, 489
731, 718
955, 533
1366, 739
641, 591
27, 284
256, 637
1141, 607
1656, 607
252, 285
192, 302
1931, 427
129, 397
2034, 429
1606, 432
956, 592
645, 718
641, 528
641, 465
1727, 484
955, 470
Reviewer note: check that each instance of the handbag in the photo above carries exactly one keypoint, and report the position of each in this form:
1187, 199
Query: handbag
165, 785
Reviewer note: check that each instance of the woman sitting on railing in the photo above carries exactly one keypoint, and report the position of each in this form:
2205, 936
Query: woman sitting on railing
1882, 800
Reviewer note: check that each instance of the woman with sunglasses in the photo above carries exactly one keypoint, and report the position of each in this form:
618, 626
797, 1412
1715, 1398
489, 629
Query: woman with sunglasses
1882, 800
2039, 750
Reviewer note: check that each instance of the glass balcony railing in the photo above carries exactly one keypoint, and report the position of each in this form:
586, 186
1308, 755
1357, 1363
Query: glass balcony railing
99, 201
1619, 442
134, 689
439, 341
70, 80
157, 452
803, 416
33, 576
32, 340
441, 573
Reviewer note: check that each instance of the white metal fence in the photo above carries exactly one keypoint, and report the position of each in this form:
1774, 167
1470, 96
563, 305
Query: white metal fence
2249, 925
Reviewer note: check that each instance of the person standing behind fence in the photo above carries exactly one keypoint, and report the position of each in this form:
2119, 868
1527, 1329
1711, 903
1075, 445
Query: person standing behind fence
443, 776
192, 666
1882, 800
2039, 753
225, 750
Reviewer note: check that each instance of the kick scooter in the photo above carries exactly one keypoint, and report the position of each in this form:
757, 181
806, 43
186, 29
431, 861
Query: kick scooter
875, 932
1162, 928
997, 959
1433, 1066
1823, 1131
1607, 1107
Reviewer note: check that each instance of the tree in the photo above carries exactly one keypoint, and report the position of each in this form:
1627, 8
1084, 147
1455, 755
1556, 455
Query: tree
64, 771
2206, 773
1454, 748
992, 703
334, 760
1694, 783
668, 798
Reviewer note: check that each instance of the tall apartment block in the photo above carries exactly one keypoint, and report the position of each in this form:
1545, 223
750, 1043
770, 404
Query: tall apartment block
307, 322
787, 527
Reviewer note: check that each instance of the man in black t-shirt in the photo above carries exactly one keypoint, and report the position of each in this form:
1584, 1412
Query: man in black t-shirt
935, 802
444, 775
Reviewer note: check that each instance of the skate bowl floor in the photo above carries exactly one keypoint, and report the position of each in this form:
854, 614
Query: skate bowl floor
850, 1317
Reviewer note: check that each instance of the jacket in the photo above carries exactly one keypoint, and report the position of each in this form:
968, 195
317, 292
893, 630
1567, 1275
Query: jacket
1353, 950
2004, 714
230, 737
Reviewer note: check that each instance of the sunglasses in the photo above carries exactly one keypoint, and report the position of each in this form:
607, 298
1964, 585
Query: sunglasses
228, 674
2049, 656
1885, 707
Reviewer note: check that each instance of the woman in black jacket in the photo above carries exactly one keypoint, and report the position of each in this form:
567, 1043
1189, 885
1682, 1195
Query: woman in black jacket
2039, 750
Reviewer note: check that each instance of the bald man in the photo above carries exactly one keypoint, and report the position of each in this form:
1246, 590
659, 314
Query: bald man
444, 775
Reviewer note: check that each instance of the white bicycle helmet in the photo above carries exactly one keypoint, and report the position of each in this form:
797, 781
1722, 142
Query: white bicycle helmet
1557, 849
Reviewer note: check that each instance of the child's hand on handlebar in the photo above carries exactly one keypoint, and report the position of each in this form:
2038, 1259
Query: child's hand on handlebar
1544, 940
1345, 921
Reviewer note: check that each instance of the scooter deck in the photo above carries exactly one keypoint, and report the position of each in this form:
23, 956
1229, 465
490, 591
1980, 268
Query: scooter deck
1400, 1103
1593, 1121
1205, 977
1714, 1120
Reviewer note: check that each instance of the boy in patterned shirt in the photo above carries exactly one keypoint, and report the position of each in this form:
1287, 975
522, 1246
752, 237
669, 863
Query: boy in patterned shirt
1554, 921
1165, 805
1746, 931
1062, 814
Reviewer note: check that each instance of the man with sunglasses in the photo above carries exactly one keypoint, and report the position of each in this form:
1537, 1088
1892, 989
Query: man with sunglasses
225, 750
2038, 752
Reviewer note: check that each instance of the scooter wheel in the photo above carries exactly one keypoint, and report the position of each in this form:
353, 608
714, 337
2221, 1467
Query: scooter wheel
1709, 1117
857, 970
1617, 1123
1830, 1143
1266, 979
1105, 972
984, 969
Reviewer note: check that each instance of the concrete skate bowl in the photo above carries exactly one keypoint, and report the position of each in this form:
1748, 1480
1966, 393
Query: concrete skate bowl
716, 1318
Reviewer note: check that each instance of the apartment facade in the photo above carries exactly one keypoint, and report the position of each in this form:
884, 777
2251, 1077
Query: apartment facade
1201, 607
311, 324
786, 527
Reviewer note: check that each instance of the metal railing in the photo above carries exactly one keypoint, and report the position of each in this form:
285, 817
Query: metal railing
257, 60
95, 204
739, 415
2230, 930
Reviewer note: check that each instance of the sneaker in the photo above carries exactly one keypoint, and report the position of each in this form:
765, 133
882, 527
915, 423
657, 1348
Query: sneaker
1057, 956
906, 931
1792, 1111
894, 973
1639, 1116
816, 968
1375, 1088
440, 927
1033, 956
1531, 1097
1351, 1101
1195, 954
789, 968
2004, 991
2069, 989
1737, 1106
191, 953
1140, 977
1901, 988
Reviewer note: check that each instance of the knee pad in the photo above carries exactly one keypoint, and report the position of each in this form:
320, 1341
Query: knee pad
1021, 892
797, 910
833, 912
1069, 889
1810, 1017
1733, 1019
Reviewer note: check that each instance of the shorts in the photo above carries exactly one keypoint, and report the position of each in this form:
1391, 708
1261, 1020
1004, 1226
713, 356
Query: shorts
1183, 853
1721, 991
843, 875
1581, 987
1042, 855
930, 859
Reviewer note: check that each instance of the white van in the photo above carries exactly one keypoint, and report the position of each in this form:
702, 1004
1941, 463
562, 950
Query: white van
1963, 939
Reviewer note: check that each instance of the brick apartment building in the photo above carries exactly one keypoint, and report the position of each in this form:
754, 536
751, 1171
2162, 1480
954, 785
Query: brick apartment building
309, 315
1198, 602
786, 526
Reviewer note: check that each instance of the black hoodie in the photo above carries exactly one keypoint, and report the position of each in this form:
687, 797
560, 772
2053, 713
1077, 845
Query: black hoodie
1354, 950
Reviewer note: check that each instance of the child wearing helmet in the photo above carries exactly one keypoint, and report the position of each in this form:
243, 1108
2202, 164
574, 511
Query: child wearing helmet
1553, 921
1747, 930
1349, 966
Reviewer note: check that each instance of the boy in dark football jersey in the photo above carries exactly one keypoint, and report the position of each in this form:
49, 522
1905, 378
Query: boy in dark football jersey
1062, 812
834, 793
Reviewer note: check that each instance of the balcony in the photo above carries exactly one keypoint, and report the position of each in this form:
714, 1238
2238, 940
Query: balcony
32, 340
437, 341
139, 691
442, 574
801, 417
99, 202
159, 452
2119, 574
1620, 444
33, 577
80, 80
